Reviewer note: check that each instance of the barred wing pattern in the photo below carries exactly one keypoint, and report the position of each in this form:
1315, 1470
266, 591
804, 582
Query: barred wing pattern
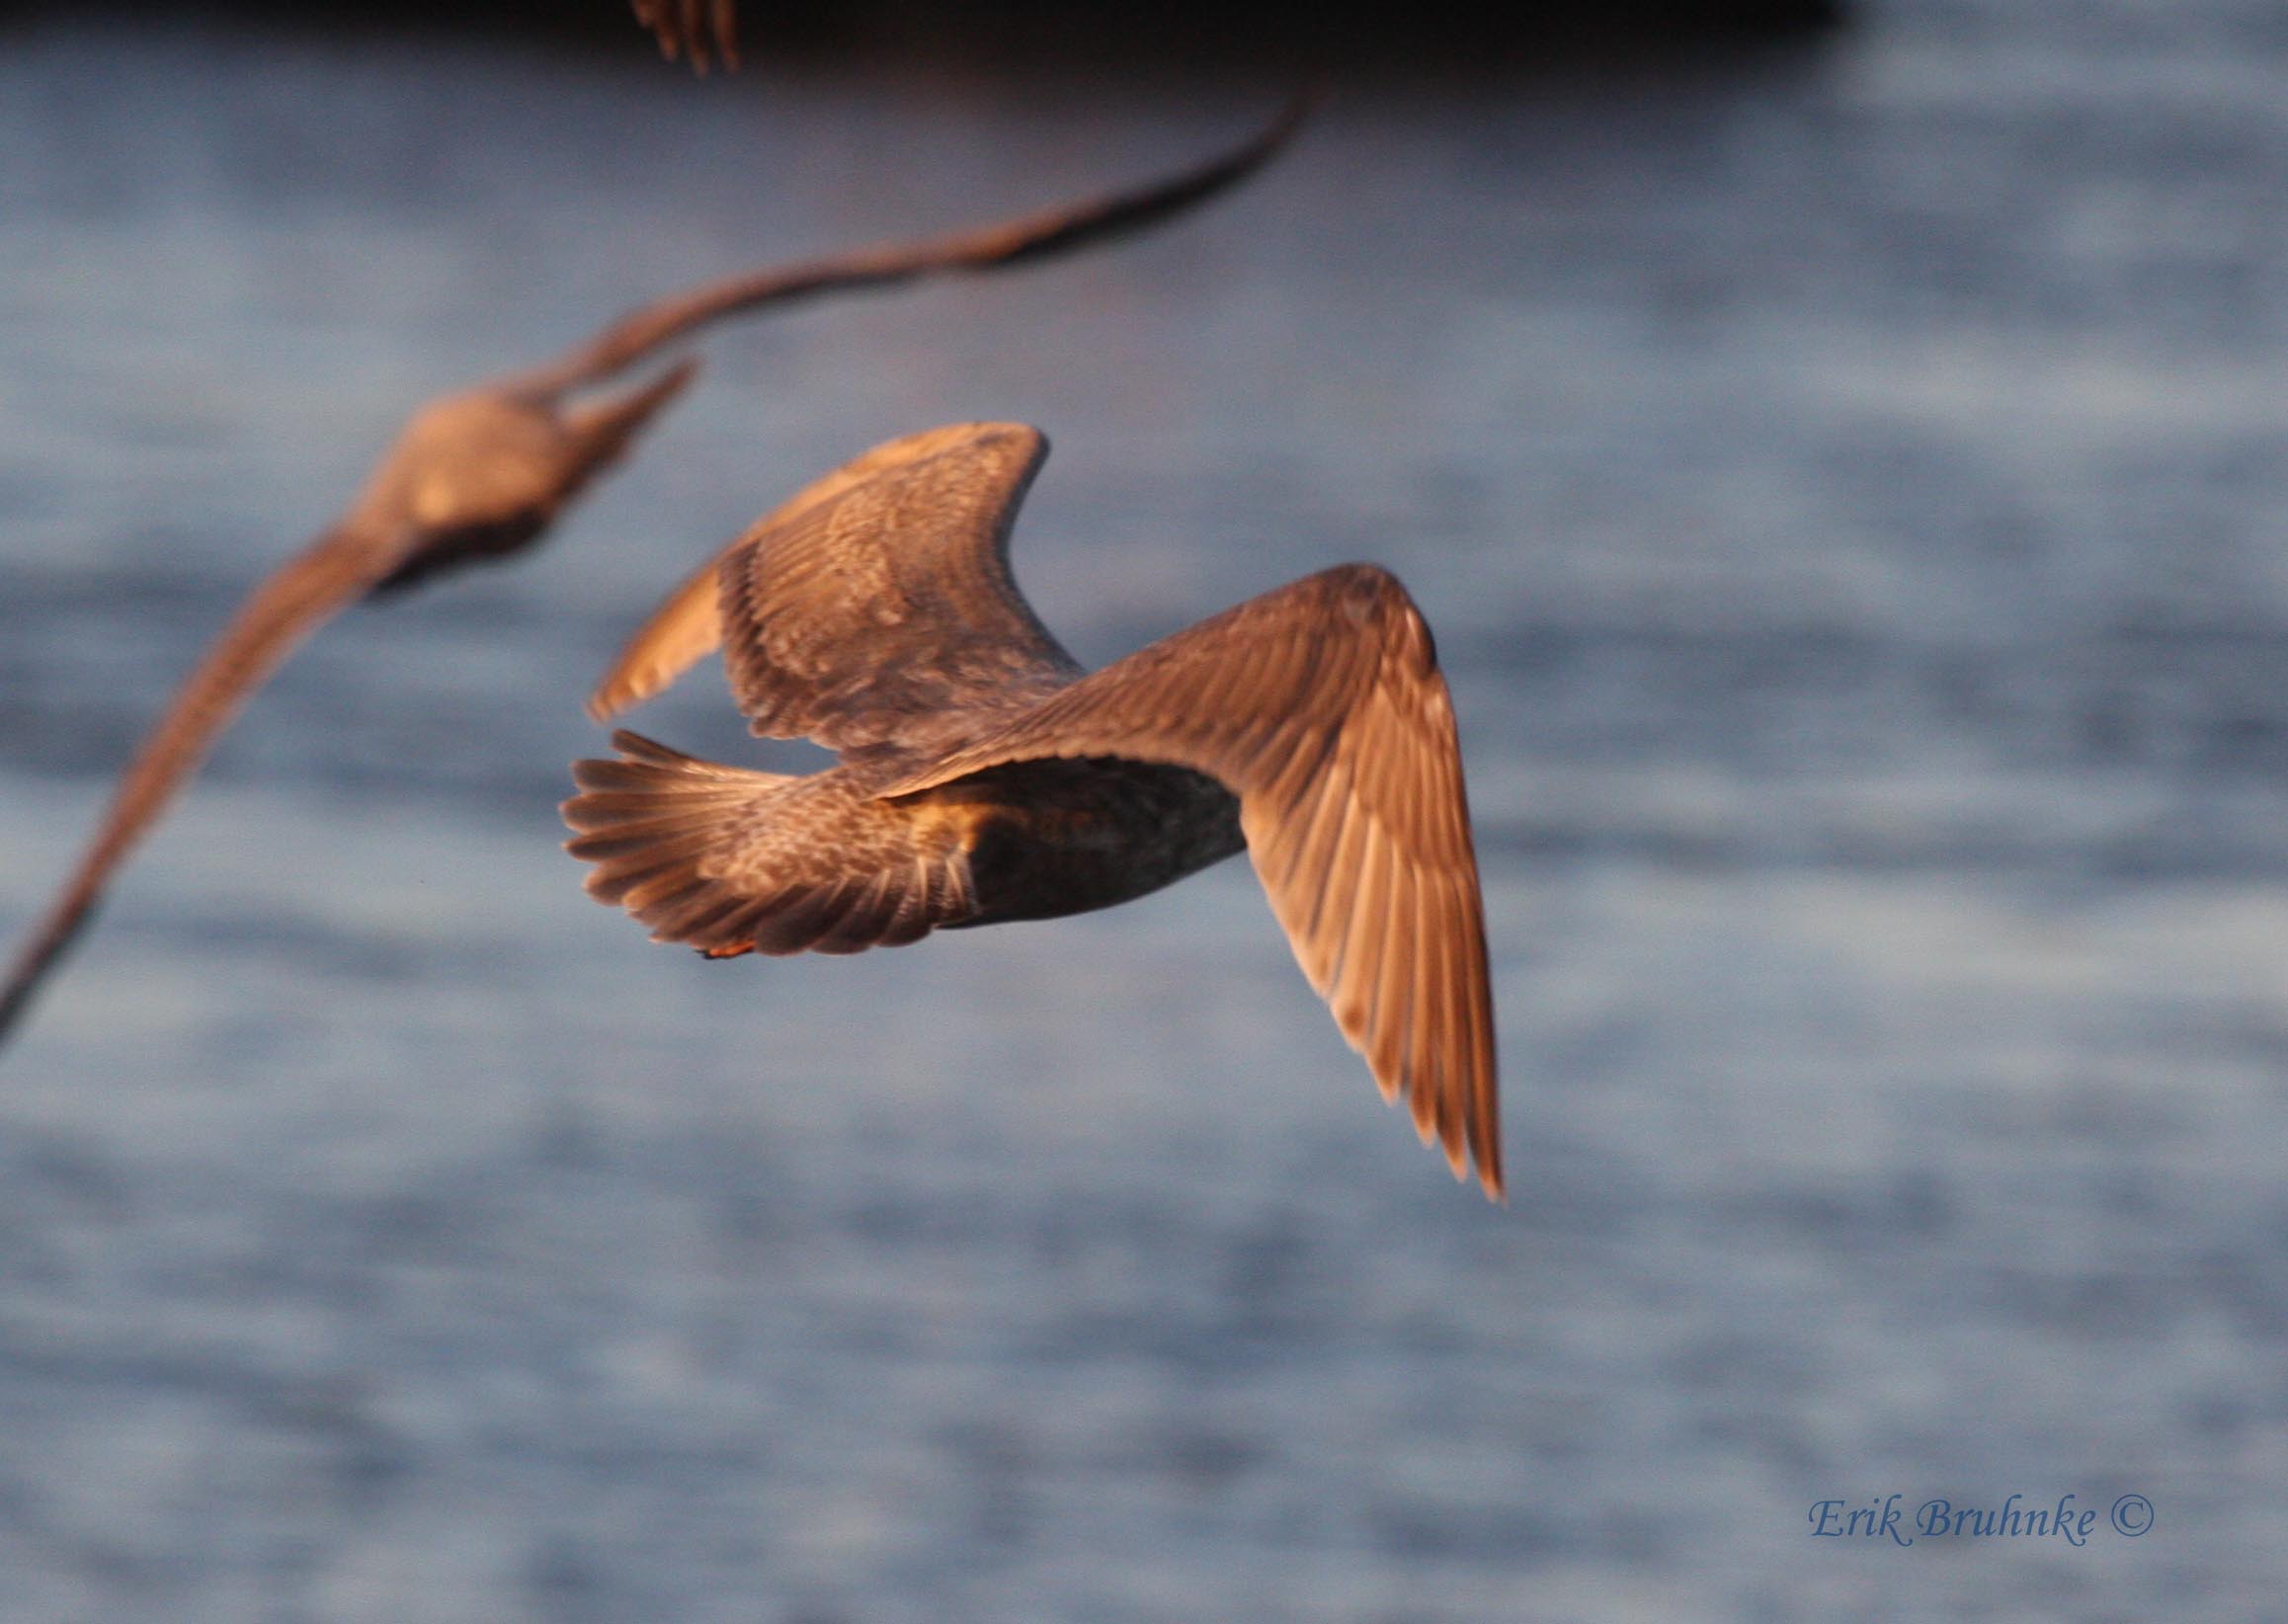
874, 607
687, 628
1322, 706
885, 613
736, 861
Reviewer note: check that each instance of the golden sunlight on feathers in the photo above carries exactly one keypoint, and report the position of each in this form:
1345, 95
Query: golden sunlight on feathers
985, 776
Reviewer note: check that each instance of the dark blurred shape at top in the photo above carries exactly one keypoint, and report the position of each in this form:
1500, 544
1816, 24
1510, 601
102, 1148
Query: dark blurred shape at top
701, 31
1166, 34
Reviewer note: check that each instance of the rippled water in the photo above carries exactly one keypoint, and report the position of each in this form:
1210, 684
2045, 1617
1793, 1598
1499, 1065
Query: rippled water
1848, 491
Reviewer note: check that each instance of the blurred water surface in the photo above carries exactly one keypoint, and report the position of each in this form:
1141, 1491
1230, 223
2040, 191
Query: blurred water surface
1849, 493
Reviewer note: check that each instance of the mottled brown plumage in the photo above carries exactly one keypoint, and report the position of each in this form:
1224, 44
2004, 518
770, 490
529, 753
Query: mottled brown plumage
985, 776
483, 474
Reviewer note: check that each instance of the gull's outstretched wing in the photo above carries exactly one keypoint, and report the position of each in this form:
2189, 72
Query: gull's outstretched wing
1061, 228
876, 608
304, 593
1321, 706
686, 628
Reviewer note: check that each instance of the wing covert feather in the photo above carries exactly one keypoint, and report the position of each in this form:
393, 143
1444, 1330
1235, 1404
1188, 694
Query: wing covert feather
686, 628
882, 612
870, 608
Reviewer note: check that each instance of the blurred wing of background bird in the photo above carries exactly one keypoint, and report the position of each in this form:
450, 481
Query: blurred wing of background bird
1061, 228
684, 629
285, 609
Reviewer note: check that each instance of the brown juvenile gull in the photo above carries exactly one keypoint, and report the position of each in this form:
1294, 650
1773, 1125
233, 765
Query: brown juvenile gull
691, 28
483, 474
985, 776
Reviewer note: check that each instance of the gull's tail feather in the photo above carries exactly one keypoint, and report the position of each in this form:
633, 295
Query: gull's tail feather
721, 858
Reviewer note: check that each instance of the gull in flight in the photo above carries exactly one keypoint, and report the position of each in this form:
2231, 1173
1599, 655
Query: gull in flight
485, 472
984, 776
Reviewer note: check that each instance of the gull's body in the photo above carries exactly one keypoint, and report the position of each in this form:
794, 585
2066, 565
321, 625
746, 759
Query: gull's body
483, 474
985, 776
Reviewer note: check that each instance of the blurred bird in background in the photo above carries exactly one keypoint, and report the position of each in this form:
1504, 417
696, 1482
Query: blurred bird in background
483, 474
